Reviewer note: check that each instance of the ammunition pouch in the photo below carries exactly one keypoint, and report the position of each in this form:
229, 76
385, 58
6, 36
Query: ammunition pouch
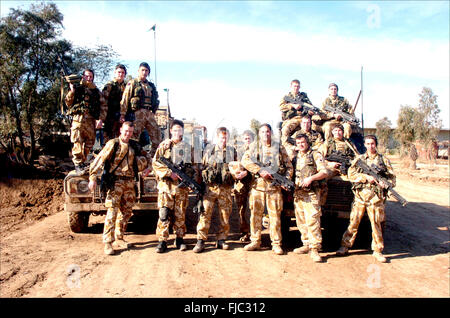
135, 103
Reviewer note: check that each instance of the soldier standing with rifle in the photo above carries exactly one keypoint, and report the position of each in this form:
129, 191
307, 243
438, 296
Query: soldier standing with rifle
219, 183
310, 170
88, 110
173, 194
121, 158
140, 99
263, 160
112, 92
370, 196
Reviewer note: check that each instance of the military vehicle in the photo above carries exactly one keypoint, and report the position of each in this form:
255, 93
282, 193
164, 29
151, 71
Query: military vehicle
80, 202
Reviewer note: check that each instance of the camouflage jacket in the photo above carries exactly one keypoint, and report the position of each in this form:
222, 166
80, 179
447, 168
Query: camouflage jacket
287, 109
112, 93
87, 98
308, 164
364, 190
126, 166
215, 161
273, 157
338, 102
139, 94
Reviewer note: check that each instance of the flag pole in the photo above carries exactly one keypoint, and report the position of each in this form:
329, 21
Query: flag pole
362, 101
153, 28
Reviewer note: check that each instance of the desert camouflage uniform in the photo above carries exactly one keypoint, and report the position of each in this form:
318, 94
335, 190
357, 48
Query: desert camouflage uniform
112, 92
315, 139
219, 183
368, 197
120, 200
342, 104
290, 116
307, 200
241, 192
341, 146
263, 193
144, 110
170, 194
86, 106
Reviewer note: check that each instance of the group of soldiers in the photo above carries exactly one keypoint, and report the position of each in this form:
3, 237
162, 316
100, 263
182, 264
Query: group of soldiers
249, 172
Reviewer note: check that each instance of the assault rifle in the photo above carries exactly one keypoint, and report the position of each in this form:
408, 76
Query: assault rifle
336, 156
306, 107
187, 181
372, 171
74, 79
349, 118
278, 179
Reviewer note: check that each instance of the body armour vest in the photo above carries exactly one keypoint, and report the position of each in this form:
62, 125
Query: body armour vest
86, 99
140, 100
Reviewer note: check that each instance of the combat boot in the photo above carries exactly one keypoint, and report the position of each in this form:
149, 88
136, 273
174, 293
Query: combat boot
314, 254
379, 257
302, 250
221, 244
179, 243
162, 247
277, 250
121, 243
253, 246
199, 247
108, 249
342, 251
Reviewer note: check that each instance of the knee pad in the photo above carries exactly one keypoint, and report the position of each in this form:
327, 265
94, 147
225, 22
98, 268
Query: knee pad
164, 213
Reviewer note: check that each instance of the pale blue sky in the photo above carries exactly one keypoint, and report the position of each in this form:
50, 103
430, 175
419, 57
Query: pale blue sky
226, 62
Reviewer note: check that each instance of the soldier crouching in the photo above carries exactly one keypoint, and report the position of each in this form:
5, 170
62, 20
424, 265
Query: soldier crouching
173, 199
121, 157
310, 171
219, 184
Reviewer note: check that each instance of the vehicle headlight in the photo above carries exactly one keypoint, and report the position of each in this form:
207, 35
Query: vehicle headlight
77, 187
83, 187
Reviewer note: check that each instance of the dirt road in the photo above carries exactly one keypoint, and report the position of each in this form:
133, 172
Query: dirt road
44, 259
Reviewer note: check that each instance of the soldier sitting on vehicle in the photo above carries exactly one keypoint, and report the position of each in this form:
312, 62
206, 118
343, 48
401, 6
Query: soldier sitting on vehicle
331, 118
340, 148
314, 137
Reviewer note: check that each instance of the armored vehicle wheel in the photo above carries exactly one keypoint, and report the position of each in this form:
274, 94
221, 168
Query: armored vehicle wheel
78, 221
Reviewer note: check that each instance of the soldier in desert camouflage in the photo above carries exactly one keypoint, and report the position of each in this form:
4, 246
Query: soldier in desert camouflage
370, 197
263, 158
219, 183
314, 137
112, 92
88, 110
242, 187
141, 99
310, 171
339, 102
172, 198
126, 164
291, 114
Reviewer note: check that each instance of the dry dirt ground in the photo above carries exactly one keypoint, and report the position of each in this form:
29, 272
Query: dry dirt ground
40, 257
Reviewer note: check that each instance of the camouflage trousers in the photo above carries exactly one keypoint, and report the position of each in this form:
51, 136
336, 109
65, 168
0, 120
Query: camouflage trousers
273, 200
327, 127
307, 217
82, 136
119, 203
145, 119
241, 199
375, 211
176, 201
222, 195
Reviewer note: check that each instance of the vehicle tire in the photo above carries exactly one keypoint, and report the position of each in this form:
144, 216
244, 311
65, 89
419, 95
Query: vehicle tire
78, 221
